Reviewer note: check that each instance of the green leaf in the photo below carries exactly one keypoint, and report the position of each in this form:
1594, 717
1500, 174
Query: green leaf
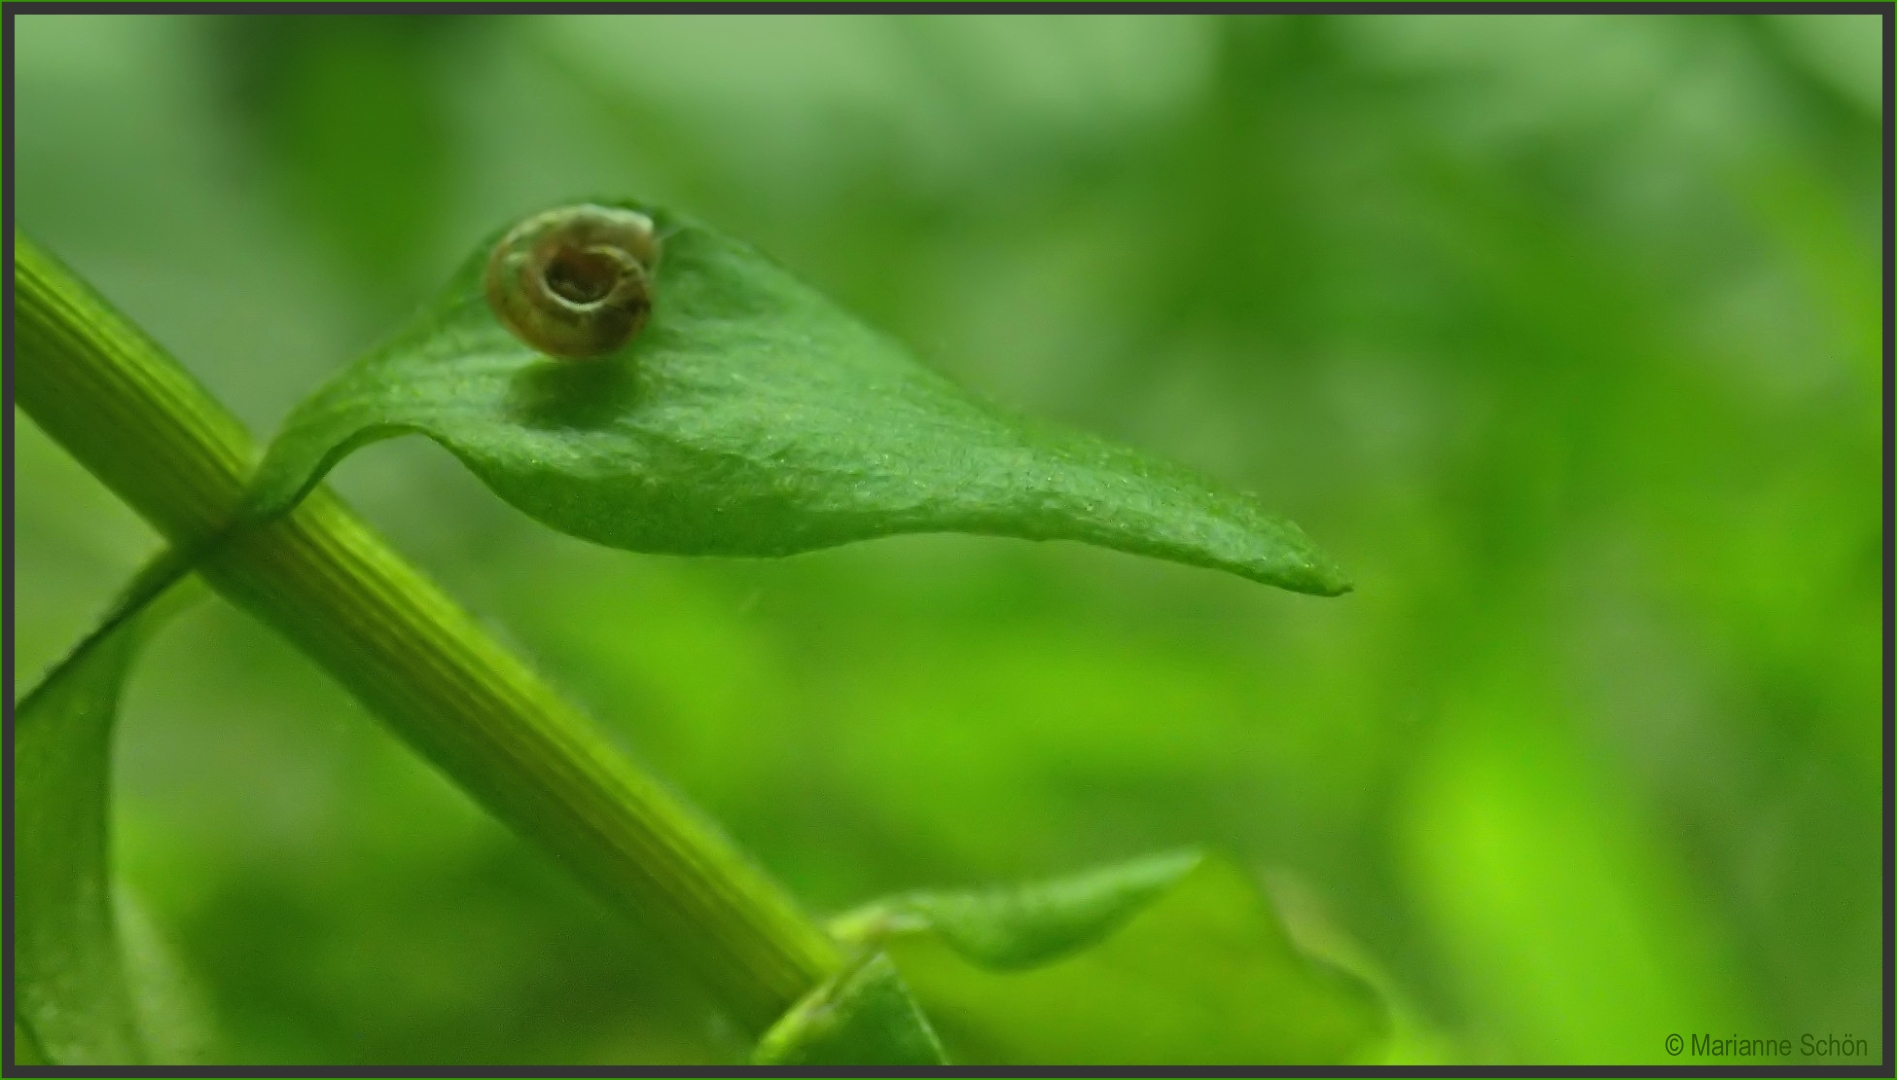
863, 1015
754, 417
1024, 925
74, 998
1177, 959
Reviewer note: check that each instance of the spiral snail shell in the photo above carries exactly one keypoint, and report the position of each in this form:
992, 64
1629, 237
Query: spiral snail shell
575, 282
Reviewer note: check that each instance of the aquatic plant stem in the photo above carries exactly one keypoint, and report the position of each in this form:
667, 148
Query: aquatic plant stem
319, 575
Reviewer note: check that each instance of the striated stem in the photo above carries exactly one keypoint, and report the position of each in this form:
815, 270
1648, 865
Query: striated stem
321, 577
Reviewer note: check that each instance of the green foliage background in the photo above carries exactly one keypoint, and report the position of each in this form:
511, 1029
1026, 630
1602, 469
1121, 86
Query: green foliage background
1560, 333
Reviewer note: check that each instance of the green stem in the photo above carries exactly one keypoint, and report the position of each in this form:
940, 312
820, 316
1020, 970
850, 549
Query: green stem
321, 577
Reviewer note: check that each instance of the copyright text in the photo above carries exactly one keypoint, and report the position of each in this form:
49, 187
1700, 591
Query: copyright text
1809, 1045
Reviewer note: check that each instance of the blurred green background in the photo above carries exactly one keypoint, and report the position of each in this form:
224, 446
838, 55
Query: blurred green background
1562, 333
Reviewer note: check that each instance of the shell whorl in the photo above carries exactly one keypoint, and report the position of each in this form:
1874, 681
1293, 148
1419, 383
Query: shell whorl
575, 282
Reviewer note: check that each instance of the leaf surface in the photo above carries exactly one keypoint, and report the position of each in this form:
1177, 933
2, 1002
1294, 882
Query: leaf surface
754, 417
79, 1002
1171, 960
864, 1015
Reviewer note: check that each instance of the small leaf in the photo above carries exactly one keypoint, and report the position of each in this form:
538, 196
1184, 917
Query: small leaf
754, 417
1171, 960
862, 1016
75, 1002
1027, 925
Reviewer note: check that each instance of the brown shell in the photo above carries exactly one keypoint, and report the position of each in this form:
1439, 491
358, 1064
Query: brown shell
575, 282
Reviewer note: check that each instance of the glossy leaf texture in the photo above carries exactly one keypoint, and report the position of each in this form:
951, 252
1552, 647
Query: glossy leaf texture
93, 984
752, 416
1176, 959
864, 1015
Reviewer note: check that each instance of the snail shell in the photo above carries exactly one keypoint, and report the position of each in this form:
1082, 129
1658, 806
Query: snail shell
575, 282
